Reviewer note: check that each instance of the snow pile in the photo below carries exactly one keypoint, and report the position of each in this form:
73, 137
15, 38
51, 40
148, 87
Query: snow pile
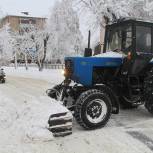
111, 54
28, 121
46, 74
8, 112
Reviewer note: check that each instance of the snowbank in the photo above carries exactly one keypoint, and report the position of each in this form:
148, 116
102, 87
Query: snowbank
28, 120
47, 74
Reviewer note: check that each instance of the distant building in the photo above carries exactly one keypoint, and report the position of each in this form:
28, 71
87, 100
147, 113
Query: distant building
20, 23
23, 20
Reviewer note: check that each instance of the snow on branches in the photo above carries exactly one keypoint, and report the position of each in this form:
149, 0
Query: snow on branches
104, 11
33, 43
40, 40
6, 44
64, 26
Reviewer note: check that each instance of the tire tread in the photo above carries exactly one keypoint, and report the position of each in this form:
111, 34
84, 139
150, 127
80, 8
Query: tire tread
79, 104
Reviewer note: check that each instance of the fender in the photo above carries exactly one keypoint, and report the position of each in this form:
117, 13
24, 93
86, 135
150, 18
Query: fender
112, 95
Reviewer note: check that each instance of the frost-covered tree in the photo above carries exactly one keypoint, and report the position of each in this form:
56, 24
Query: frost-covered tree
64, 26
6, 43
32, 42
40, 40
15, 48
25, 46
148, 8
104, 11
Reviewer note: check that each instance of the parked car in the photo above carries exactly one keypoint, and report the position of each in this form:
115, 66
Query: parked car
2, 75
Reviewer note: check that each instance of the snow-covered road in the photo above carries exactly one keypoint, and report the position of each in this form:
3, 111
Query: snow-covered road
22, 101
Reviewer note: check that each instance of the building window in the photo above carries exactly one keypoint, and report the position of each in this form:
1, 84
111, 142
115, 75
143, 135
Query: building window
32, 21
24, 21
27, 21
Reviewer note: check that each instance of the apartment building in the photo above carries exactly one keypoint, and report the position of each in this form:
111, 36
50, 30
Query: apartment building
24, 20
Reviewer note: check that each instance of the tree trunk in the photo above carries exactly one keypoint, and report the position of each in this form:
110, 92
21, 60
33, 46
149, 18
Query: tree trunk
26, 62
15, 61
39, 65
45, 52
38, 60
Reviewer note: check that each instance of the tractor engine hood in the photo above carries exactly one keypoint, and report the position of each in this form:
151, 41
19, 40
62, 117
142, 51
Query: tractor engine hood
80, 69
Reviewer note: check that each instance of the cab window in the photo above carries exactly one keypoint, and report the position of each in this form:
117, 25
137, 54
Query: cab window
127, 39
114, 39
143, 39
120, 38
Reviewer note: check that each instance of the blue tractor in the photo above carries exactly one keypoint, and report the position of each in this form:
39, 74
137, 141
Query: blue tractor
96, 86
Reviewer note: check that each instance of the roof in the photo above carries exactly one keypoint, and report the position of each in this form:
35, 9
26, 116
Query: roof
139, 19
132, 20
24, 15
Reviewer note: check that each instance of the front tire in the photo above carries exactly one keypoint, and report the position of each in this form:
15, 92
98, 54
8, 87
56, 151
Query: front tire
93, 109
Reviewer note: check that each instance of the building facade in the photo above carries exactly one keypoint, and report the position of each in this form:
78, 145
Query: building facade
18, 22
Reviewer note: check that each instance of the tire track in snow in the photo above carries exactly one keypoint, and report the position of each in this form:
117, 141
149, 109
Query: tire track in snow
142, 138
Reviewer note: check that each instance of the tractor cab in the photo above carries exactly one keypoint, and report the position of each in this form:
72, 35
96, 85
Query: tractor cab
133, 39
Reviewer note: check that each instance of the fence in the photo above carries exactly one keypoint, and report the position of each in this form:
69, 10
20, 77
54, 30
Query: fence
46, 66
54, 66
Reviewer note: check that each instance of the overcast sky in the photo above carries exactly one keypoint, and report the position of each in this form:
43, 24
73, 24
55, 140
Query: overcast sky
35, 7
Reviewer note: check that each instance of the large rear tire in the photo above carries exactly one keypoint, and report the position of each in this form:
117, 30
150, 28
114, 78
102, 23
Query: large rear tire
149, 107
148, 91
93, 109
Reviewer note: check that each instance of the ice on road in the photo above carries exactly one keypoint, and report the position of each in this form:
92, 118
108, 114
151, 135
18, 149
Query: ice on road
25, 109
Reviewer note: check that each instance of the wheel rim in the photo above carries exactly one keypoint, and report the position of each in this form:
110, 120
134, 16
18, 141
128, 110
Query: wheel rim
96, 111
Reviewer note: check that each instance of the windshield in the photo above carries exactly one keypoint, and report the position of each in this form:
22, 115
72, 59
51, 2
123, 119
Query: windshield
143, 39
119, 38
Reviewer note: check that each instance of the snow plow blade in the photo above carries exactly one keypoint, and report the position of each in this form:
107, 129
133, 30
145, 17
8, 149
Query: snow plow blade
60, 124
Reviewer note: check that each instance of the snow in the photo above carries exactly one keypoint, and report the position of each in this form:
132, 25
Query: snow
29, 116
25, 109
111, 54
47, 74
6, 43
20, 14
24, 116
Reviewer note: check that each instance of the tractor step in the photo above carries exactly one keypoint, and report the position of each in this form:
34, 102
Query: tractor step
60, 124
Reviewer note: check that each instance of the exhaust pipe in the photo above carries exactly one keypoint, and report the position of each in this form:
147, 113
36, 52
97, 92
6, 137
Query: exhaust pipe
88, 51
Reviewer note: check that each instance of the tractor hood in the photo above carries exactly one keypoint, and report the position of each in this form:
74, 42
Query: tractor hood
81, 68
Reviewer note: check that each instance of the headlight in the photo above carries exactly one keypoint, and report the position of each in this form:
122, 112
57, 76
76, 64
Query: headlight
66, 73
63, 72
